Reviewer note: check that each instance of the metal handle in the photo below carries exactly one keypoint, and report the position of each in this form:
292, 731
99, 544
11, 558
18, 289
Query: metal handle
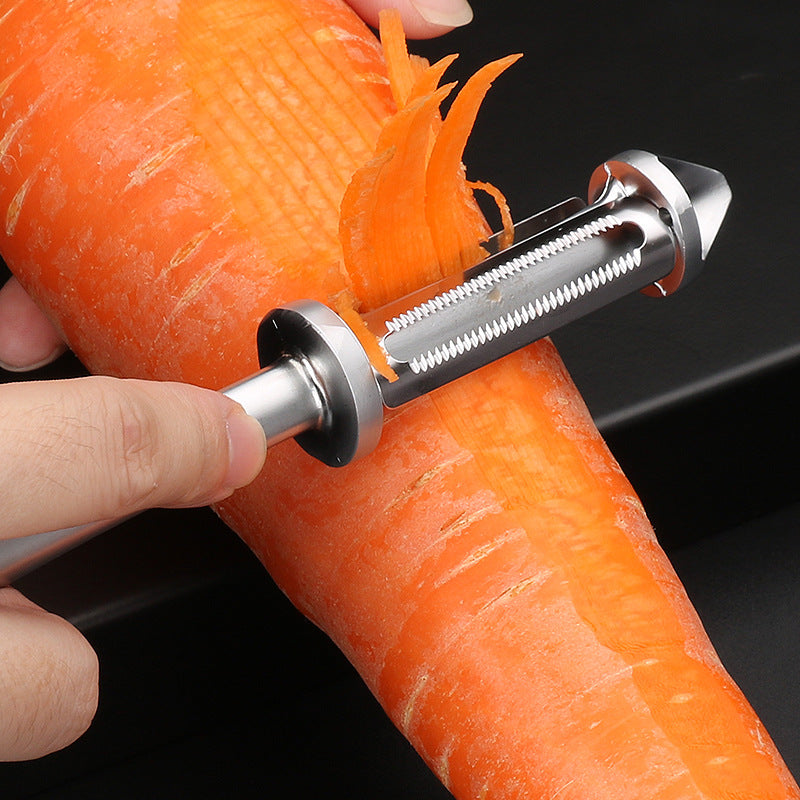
20, 556
283, 398
268, 397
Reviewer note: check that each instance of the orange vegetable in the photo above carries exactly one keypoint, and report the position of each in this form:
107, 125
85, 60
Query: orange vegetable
170, 171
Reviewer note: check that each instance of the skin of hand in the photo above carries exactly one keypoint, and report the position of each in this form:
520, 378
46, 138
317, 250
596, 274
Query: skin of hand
98, 448
88, 449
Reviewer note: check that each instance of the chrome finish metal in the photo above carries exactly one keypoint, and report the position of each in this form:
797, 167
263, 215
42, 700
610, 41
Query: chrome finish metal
324, 348
20, 556
522, 294
641, 231
694, 199
284, 398
528, 228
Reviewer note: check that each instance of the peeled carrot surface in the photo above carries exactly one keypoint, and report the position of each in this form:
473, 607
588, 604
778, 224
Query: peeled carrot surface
169, 172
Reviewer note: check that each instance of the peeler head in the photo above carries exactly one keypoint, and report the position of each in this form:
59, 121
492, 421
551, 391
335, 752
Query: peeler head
692, 199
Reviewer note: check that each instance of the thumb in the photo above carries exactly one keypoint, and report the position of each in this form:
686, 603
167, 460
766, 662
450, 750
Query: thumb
95, 448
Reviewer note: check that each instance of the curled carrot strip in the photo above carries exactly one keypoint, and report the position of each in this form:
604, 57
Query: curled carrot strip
454, 219
412, 204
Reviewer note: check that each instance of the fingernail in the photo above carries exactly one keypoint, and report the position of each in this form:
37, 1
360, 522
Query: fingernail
247, 447
55, 353
447, 13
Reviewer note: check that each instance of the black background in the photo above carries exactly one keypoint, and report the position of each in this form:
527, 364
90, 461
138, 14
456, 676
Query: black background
213, 686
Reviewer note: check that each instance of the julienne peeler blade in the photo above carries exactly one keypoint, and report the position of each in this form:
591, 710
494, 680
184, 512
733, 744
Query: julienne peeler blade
534, 225
649, 226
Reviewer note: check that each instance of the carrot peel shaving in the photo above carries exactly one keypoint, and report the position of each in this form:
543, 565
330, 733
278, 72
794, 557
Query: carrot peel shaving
412, 202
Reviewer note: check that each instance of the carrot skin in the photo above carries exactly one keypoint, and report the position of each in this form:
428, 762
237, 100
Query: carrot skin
488, 570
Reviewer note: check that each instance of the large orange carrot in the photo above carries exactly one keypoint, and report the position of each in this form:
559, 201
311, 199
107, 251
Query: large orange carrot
168, 172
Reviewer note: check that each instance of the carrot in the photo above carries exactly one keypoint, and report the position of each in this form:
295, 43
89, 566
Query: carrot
172, 171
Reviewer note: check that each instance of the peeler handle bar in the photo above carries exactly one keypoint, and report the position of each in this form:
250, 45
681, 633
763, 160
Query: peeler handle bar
20, 556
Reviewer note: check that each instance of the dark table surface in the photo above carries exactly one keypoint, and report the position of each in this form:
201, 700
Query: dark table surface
213, 686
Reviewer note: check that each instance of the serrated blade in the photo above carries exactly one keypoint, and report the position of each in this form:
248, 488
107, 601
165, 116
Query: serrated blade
522, 294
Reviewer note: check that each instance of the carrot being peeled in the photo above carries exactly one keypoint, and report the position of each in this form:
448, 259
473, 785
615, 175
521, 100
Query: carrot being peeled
169, 174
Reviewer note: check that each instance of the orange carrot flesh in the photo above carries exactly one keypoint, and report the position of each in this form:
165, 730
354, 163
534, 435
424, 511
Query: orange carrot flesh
399, 209
169, 175
375, 230
401, 70
451, 226
429, 79
344, 305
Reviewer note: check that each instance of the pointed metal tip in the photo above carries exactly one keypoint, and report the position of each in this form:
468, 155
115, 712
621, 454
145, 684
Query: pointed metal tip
709, 194
694, 199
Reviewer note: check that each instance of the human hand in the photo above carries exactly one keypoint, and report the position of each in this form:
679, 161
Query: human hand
141, 444
83, 450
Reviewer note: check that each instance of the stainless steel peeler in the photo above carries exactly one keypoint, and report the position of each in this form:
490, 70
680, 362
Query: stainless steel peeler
648, 226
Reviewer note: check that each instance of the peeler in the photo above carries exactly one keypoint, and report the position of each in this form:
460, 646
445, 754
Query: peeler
648, 226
